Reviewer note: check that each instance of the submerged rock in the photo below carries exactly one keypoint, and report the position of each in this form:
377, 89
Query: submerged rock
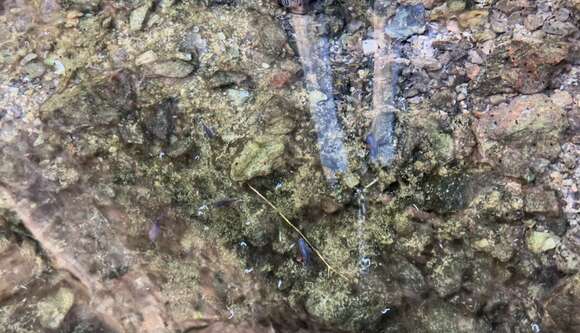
159, 120
441, 317
539, 242
516, 138
382, 139
319, 83
34, 70
409, 20
562, 307
541, 201
447, 273
138, 16
100, 102
473, 18
568, 253
177, 69
521, 66
258, 158
224, 79
20, 266
53, 309
83, 4
502, 200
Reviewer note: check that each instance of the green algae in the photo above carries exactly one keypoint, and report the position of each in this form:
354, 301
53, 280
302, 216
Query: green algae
53, 309
269, 143
258, 158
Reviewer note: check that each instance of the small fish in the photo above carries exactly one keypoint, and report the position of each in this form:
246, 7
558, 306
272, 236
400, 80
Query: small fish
223, 203
208, 131
373, 146
154, 231
305, 252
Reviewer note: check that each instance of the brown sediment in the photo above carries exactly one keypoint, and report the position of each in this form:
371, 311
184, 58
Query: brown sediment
130, 303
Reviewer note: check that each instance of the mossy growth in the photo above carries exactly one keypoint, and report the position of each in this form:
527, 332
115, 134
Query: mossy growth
53, 309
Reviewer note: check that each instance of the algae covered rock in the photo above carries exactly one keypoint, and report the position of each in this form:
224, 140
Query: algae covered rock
333, 302
20, 266
447, 194
176, 69
497, 242
501, 200
138, 16
518, 137
541, 201
159, 120
562, 307
521, 66
53, 309
441, 317
100, 102
447, 273
258, 158
539, 242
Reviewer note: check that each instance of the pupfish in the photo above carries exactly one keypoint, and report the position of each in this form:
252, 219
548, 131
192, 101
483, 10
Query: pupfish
296, 6
305, 252
373, 146
224, 203
154, 231
209, 133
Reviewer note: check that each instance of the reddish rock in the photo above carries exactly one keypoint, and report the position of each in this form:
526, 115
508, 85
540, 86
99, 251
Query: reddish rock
520, 66
472, 71
19, 265
520, 137
281, 79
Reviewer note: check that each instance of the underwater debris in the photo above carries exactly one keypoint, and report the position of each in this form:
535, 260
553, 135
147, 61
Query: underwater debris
314, 54
382, 140
408, 20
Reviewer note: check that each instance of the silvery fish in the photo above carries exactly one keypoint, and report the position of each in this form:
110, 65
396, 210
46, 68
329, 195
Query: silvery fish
296, 6
154, 231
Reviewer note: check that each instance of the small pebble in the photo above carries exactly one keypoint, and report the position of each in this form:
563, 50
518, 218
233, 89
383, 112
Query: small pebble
172, 69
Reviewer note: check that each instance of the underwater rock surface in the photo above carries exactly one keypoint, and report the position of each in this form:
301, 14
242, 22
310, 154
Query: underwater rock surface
165, 166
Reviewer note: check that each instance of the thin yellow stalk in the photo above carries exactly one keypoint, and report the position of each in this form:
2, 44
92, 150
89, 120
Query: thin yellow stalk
287, 221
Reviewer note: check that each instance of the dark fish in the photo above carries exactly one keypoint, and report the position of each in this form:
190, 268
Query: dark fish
223, 203
154, 231
296, 6
305, 252
208, 131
